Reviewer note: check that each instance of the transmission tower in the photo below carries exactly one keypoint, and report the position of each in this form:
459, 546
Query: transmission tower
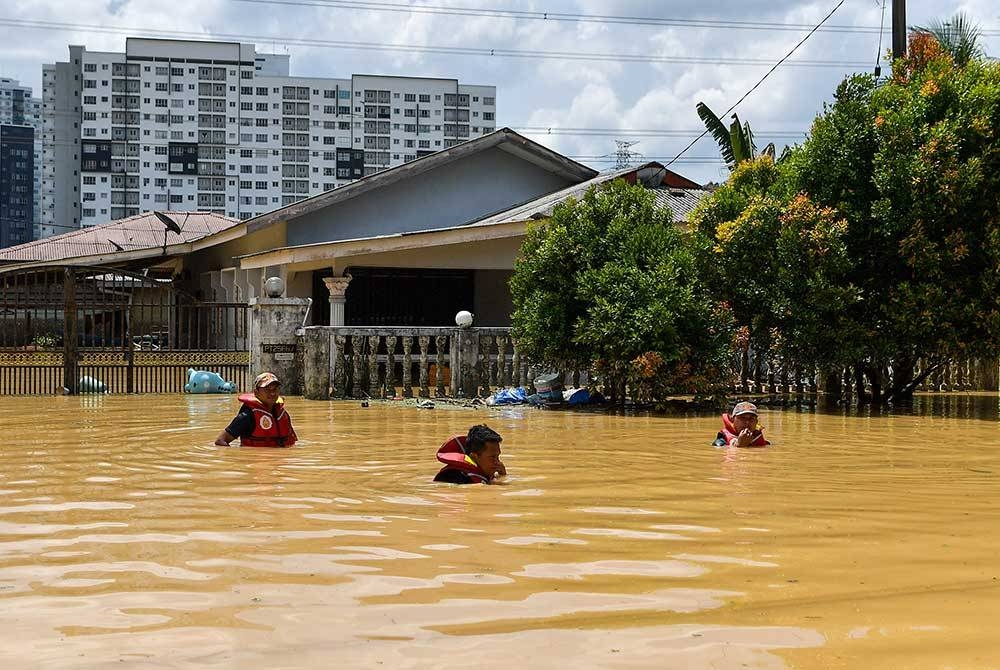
623, 155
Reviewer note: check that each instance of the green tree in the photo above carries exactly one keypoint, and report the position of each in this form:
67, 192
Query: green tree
781, 263
608, 283
914, 168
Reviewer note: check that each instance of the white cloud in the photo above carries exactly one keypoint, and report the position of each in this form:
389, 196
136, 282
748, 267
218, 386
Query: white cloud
533, 91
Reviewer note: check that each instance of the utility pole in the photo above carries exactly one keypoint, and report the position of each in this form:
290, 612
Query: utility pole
898, 28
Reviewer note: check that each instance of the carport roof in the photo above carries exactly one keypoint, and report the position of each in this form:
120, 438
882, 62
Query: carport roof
132, 238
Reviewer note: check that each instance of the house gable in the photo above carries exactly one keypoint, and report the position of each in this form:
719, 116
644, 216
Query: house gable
452, 194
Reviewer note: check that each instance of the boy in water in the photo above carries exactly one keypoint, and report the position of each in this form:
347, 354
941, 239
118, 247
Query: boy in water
473, 458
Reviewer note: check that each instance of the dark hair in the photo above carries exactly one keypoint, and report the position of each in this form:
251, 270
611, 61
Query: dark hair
478, 436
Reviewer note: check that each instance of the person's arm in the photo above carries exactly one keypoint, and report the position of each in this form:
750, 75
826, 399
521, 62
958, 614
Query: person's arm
241, 425
224, 439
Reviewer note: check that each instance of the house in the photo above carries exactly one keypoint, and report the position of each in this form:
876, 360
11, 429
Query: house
409, 246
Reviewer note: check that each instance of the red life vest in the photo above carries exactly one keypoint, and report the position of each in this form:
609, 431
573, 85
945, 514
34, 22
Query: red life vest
729, 432
270, 429
452, 454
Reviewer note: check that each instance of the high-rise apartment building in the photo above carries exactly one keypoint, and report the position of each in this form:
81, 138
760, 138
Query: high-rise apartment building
16, 184
18, 108
216, 126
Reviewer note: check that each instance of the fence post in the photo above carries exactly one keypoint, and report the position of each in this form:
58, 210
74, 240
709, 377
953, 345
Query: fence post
273, 325
316, 364
70, 355
468, 349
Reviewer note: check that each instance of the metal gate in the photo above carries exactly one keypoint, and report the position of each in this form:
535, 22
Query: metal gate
87, 330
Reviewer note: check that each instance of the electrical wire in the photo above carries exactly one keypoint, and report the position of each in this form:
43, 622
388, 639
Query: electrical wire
429, 49
485, 12
762, 79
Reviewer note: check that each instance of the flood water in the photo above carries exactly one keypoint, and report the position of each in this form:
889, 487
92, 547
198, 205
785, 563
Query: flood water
856, 541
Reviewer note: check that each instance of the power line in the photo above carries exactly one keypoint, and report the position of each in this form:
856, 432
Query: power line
639, 132
761, 80
485, 12
412, 48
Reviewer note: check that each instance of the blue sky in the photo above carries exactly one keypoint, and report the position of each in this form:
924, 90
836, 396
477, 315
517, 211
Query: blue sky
609, 95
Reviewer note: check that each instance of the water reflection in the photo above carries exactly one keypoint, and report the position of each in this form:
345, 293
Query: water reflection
620, 541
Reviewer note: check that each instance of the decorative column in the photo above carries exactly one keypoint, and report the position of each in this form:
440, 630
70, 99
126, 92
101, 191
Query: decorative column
337, 286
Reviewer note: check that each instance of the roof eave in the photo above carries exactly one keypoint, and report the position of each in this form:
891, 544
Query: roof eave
400, 242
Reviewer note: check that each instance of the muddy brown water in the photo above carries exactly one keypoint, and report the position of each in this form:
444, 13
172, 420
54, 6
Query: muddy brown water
856, 541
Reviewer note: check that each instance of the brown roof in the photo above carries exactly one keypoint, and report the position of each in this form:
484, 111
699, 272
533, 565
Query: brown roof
137, 234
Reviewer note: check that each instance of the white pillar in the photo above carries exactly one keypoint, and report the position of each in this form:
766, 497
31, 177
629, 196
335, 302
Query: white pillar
337, 286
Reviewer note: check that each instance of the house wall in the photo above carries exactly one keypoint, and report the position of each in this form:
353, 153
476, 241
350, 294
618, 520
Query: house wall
450, 195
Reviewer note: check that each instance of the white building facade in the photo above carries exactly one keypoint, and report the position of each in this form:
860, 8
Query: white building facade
215, 126
18, 108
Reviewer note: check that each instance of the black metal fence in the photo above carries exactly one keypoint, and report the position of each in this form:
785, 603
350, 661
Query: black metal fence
90, 330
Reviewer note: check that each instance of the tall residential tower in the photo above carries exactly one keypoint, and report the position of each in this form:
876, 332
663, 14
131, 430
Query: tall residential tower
216, 126
20, 163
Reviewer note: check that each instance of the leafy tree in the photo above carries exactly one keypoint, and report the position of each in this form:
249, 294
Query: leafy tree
914, 168
608, 283
736, 143
781, 263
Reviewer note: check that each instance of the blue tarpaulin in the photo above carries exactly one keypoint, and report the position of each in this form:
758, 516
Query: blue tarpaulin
509, 396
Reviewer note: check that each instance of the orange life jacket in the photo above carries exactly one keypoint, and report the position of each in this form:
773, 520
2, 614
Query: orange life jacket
729, 433
270, 429
452, 454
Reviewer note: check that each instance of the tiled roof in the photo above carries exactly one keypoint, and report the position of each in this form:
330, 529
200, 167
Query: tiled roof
681, 201
142, 232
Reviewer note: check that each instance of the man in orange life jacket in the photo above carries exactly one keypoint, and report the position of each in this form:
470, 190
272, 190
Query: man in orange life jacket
742, 429
472, 458
262, 420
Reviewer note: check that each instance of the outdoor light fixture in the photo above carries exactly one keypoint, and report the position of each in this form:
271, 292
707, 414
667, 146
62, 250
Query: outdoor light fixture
463, 319
274, 287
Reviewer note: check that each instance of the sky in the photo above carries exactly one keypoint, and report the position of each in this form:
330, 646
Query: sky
646, 97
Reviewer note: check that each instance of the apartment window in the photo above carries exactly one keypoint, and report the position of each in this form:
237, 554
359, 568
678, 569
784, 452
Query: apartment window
90, 67
489, 101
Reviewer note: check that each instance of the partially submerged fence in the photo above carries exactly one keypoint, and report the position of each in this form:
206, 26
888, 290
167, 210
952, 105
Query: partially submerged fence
344, 362
756, 373
90, 330
357, 362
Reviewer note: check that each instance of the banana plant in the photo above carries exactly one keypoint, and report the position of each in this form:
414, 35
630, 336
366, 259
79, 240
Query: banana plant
958, 36
735, 142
